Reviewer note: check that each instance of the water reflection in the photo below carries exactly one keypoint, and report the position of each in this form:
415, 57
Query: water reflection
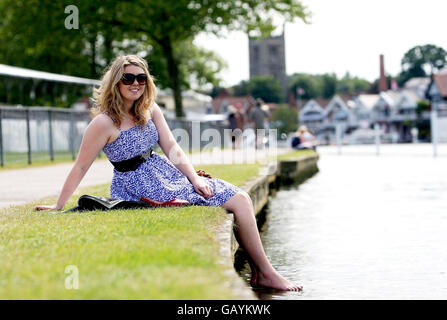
364, 227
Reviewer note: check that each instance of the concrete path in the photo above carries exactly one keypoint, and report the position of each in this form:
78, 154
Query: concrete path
24, 185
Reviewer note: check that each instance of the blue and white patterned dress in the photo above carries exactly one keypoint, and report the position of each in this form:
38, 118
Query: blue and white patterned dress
157, 178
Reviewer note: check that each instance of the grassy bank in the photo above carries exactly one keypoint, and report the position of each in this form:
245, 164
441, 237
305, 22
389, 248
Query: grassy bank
166, 253
19, 160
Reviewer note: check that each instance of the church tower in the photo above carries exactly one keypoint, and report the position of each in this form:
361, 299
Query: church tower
268, 57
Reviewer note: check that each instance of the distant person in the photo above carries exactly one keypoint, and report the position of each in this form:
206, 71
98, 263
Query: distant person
243, 117
236, 125
257, 118
295, 141
303, 139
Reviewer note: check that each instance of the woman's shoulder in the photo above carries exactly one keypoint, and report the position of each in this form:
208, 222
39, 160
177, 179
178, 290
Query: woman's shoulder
103, 120
154, 110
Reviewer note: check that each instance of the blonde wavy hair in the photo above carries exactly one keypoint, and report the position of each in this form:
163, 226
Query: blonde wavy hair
107, 98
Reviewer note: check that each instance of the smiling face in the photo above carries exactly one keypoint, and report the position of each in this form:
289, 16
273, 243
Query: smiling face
134, 91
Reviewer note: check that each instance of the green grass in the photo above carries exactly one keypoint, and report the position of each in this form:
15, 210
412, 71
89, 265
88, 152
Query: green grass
166, 253
295, 154
19, 160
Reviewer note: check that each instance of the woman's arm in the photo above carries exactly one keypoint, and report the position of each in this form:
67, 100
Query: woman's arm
175, 153
95, 137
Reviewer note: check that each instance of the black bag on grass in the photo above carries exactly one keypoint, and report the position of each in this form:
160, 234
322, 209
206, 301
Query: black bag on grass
89, 203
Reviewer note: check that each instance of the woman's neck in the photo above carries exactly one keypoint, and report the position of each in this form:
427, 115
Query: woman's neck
128, 105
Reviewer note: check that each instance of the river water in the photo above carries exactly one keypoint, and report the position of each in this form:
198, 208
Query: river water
364, 227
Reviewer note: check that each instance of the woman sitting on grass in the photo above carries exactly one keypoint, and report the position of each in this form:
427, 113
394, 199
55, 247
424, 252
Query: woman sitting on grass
127, 123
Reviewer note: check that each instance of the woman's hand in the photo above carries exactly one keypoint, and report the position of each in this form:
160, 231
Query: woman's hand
203, 189
53, 207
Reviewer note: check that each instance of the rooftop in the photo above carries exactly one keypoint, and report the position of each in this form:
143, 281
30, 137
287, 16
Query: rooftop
18, 72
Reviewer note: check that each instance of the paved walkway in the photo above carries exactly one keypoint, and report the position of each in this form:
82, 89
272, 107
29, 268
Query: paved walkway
24, 185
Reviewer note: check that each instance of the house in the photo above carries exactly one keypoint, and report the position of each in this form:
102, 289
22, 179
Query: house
406, 105
395, 111
437, 91
405, 115
323, 115
312, 115
362, 110
220, 104
337, 111
418, 86
437, 94
192, 101
384, 107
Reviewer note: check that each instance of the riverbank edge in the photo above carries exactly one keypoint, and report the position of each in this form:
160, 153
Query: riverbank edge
272, 176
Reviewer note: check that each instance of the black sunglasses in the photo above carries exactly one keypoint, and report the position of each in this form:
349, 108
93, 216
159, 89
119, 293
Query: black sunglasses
129, 78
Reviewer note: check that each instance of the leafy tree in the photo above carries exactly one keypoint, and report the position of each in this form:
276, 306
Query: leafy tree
423, 105
35, 29
169, 22
267, 88
311, 85
326, 85
422, 61
199, 67
216, 90
33, 35
329, 85
241, 89
352, 85
285, 119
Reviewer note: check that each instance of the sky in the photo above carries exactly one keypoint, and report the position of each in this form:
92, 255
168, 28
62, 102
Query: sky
344, 36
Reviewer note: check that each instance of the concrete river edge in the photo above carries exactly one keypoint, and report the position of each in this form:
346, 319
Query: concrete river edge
271, 177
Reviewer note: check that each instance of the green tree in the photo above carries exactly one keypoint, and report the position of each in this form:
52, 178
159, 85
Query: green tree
352, 85
241, 89
169, 22
285, 120
326, 85
31, 33
329, 85
35, 29
216, 90
422, 61
266, 88
311, 85
198, 67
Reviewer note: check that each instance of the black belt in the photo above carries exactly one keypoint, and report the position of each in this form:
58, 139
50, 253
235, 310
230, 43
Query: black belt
132, 163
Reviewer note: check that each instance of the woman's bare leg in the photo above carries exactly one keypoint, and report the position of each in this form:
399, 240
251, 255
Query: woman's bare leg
263, 273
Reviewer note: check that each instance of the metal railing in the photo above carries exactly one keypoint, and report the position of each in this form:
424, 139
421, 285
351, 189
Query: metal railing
30, 134
37, 133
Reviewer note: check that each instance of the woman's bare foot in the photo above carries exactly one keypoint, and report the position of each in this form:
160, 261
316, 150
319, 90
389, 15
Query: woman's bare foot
254, 277
272, 280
